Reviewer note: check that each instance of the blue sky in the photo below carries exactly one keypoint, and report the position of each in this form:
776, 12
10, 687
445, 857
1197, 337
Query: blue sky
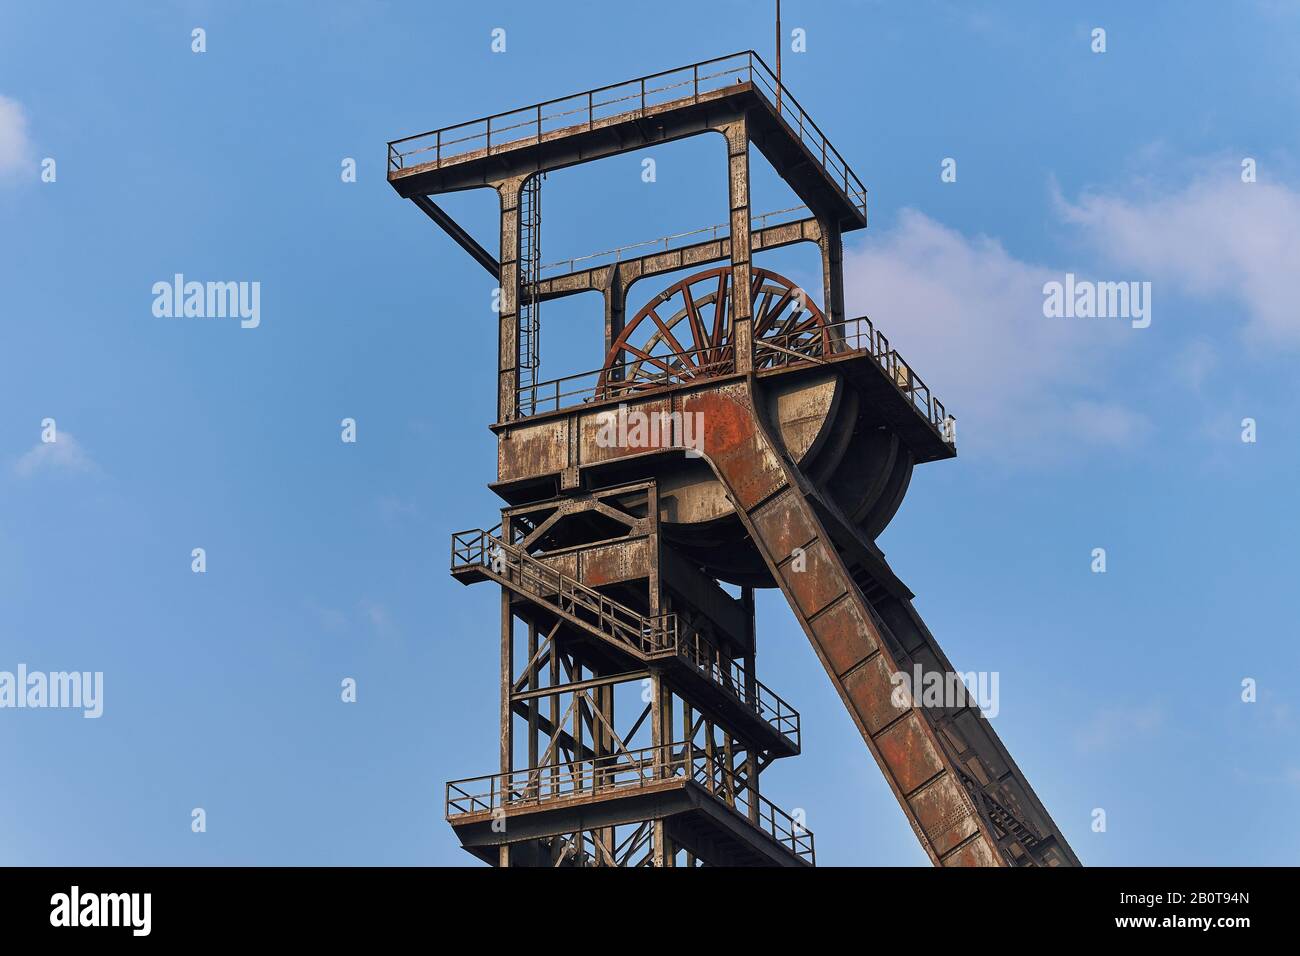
1119, 691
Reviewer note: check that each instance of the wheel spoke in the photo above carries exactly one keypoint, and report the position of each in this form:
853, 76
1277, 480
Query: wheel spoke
699, 338
778, 315
655, 360
669, 337
773, 312
760, 307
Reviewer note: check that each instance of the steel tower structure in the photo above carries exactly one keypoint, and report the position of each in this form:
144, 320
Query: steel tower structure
739, 434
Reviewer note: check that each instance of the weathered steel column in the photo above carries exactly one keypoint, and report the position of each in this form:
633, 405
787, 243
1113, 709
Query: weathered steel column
507, 690
742, 309
751, 693
507, 672
553, 680
508, 300
606, 749
615, 313
661, 700
661, 738
532, 701
831, 245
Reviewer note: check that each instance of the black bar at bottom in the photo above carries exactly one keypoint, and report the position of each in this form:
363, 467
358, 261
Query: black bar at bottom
972, 907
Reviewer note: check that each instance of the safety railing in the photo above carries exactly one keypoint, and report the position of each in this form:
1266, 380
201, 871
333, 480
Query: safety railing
730, 675
628, 100
809, 133
711, 772
773, 351
673, 368
636, 250
647, 636
856, 335
535, 786
628, 771
654, 636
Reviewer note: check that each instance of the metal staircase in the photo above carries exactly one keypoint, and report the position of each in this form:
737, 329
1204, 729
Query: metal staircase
478, 555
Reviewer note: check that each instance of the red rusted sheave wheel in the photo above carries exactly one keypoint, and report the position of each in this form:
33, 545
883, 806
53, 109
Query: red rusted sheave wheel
684, 332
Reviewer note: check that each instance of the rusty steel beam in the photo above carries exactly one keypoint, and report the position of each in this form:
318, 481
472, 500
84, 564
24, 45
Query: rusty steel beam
802, 156
599, 278
861, 653
463, 239
611, 557
949, 770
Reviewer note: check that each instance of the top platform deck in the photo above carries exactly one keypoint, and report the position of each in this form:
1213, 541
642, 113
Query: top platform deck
613, 119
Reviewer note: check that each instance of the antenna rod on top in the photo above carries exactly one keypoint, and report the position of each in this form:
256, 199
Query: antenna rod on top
778, 57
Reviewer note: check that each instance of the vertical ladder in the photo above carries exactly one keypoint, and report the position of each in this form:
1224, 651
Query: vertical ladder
530, 229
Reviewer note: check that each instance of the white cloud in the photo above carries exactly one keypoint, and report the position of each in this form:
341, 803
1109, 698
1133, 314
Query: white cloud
328, 618
378, 617
14, 146
64, 455
1217, 237
1193, 365
1115, 726
1106, 423
397, 510
969, 318
968, 315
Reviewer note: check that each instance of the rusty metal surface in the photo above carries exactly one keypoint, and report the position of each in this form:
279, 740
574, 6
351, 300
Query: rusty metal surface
689, 651
629, 269
699, 813
780, 520
953, 819
846, 632
610, 553
598, 565
613, 119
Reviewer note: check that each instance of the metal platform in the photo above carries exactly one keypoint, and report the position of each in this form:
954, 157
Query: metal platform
690, 790
609, 120
630, 639
785, 439
536, 447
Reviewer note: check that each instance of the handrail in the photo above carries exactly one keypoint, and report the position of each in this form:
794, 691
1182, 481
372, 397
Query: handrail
628, 770
720, 230
651, 636
835, 338
548, 396
531, 124
645, 635
732, 677
858, 335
